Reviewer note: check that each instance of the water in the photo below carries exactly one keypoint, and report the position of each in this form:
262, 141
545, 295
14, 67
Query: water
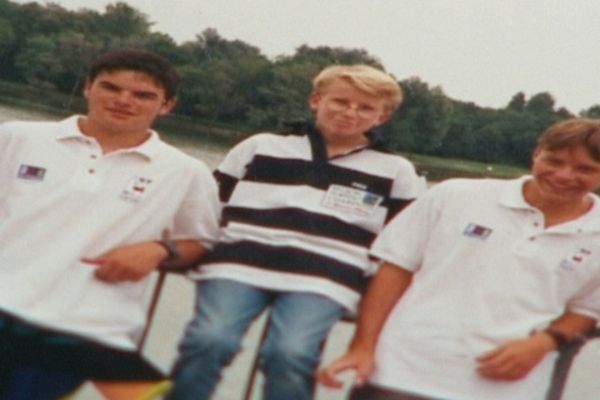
175, 309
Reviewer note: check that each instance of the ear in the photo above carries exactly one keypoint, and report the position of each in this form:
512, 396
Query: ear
313, 101
384, 117
167, 106
86, 88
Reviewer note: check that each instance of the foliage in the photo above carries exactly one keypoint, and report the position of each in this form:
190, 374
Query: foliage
231, 83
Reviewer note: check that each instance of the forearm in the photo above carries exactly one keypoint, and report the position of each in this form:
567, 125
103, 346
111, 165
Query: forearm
384, 291
570, 326
187, 254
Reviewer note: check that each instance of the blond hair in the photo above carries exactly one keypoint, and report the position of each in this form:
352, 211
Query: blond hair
364, 78
573, 132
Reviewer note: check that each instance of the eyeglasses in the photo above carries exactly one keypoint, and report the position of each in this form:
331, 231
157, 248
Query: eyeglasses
342, 105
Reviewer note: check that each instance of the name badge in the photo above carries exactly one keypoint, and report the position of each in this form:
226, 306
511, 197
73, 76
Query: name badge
136, 189
352, 201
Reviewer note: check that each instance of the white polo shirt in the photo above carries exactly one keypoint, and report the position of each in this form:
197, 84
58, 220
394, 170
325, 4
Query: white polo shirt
61, 200
486, 272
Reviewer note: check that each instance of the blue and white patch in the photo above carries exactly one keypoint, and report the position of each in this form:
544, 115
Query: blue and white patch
477, 231
31, 172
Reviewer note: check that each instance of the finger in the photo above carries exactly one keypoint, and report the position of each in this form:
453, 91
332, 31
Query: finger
93, 260
363, 372
490, 355
329, 375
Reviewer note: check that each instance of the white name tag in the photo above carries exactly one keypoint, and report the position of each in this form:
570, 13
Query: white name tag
352, 201
136, 189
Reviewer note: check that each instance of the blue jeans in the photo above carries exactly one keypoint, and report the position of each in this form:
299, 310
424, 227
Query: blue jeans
299, 324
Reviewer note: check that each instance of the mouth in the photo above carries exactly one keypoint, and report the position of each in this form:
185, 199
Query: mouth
120, 113
562, 188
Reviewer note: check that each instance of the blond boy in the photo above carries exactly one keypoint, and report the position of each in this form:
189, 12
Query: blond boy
299, 213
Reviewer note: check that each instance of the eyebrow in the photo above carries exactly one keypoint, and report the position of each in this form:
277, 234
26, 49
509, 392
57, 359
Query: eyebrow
142, 93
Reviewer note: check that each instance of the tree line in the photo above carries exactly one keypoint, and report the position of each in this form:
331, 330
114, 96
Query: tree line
230, 82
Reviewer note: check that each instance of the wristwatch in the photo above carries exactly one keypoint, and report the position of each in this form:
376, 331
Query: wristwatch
559, 338
171, 248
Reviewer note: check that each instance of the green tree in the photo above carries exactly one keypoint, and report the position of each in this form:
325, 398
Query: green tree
7, 47
592, 112
37, 61
517, 103
423, 120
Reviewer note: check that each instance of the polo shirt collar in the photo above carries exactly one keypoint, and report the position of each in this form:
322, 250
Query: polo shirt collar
513, 198
69, 129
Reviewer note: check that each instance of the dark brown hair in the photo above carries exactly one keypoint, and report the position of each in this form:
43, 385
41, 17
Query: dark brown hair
573, 132
151, 64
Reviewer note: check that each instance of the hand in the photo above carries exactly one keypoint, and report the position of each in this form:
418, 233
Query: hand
515, 359
360, 361
128, 263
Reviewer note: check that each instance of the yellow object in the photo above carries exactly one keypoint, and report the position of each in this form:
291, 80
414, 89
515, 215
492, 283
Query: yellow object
136, 390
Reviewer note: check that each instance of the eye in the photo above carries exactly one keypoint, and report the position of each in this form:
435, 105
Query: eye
145, 96
366, 109
109, 86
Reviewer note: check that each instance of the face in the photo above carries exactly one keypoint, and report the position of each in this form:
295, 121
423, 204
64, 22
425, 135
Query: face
125, 102
344, 113
565, 175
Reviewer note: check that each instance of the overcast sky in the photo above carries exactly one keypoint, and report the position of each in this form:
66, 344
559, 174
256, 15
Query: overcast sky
477, 50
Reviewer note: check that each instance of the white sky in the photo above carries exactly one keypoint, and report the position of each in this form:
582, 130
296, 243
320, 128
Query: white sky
483, 51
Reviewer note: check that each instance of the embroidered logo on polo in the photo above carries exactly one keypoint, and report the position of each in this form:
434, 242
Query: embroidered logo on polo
136, 189
576, 259
31, 172
351, 200
477, 231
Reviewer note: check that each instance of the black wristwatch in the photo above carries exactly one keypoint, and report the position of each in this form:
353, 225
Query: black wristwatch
171, 248
559, 338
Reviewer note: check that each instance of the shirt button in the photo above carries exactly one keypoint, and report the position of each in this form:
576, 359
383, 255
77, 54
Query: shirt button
91, 171
532, 239
536, 224
94, 156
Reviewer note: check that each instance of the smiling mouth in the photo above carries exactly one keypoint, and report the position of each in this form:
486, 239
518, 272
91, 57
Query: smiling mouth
561, 188
122, 113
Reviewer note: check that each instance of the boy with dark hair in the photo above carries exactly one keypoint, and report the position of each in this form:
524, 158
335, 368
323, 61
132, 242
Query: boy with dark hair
90, 206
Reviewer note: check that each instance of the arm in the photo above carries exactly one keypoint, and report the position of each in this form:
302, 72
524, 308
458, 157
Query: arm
384, 291
134, 262
515, 359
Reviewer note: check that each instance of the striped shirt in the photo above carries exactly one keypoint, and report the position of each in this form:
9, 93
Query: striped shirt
294, 220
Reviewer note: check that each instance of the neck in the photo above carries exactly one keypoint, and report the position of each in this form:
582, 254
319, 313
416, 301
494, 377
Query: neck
111, 141
341, 147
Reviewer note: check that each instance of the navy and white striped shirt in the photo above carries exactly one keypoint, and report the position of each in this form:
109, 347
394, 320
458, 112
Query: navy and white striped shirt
293, 220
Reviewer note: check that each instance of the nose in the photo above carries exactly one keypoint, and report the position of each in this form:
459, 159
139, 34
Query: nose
124, 98
351, 108
565, 173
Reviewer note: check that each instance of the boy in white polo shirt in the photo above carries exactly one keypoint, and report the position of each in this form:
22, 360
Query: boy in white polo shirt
89, 206
483, 280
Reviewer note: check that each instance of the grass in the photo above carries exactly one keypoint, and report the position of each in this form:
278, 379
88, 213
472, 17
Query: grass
440, 168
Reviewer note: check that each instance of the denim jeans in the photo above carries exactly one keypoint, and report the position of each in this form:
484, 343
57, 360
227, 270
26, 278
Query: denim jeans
299, 324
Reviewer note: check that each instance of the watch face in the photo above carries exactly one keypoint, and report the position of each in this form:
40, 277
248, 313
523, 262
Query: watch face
171, 248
